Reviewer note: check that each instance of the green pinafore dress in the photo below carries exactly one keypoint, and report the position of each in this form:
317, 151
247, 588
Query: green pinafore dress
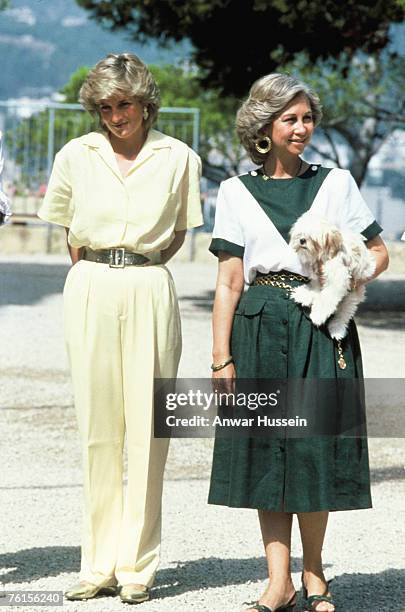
273, 338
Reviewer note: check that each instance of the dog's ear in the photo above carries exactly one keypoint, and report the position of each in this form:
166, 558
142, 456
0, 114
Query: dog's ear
333, 242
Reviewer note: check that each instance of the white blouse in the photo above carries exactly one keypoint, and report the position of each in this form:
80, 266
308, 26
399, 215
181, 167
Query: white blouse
240, 220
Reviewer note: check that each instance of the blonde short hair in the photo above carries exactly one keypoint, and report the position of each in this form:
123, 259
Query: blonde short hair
267, 99
123, 74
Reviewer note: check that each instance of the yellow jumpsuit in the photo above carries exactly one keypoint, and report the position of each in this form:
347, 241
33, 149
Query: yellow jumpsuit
122, 330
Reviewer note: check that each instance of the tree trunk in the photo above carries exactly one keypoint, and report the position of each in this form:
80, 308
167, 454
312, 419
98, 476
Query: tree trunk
358, 165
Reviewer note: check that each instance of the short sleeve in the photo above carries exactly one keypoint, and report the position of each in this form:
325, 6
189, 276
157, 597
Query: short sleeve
57, 206
357, 216
227, 234
190, 213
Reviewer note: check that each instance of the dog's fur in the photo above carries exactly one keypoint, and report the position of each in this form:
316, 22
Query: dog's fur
334, 261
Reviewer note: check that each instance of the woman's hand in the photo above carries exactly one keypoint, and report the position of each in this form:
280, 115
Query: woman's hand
223, 381
174, 246
75, 254
379, 250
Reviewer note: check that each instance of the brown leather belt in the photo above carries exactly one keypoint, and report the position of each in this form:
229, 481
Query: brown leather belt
117, 257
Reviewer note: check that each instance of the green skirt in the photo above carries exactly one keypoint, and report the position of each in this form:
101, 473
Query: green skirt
273, 338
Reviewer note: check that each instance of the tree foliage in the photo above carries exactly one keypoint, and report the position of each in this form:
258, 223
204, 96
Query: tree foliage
70, 91
236, 41
361, 110
220, 150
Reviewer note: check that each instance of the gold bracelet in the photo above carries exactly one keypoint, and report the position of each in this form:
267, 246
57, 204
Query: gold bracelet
215, 367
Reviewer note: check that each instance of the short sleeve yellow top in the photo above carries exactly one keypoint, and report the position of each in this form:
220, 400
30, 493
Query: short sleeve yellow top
159, 195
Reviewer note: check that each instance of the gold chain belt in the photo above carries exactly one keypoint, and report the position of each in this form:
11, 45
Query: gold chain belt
278, 279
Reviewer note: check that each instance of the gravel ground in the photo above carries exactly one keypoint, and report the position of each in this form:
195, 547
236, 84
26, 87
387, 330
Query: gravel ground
212, 558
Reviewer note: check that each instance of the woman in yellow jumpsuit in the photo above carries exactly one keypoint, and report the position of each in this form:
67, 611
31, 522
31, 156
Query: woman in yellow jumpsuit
127, 195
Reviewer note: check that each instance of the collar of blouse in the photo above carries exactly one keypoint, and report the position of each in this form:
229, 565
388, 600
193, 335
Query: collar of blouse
101, 143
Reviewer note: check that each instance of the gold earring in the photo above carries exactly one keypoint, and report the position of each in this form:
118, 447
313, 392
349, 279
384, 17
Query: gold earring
145, 113
263, 145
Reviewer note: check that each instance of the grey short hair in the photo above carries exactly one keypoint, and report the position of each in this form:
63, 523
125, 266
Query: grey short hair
267, 99
123, 74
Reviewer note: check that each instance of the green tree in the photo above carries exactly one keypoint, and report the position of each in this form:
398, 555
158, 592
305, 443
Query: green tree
4, 4
361, 110
70, 91
220, 150
236, 41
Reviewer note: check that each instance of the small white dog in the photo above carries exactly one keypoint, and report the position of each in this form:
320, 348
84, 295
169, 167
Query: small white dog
334, 261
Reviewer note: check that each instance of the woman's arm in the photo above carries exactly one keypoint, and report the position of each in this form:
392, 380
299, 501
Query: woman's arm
379, 250
227, 294
75, 254
173, 247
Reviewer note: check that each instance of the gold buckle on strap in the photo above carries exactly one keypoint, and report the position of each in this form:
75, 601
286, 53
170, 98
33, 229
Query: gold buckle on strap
117, 258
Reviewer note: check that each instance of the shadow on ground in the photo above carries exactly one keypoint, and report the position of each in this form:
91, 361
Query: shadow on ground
35, 563
384, 591
25, 284
352, 592
386, 320
385, 294
386, 474
212, 572
202, 301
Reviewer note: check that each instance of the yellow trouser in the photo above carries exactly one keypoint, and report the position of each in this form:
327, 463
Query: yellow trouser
122, 329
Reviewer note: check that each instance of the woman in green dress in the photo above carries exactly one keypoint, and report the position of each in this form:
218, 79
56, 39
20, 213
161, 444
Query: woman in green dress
263, 334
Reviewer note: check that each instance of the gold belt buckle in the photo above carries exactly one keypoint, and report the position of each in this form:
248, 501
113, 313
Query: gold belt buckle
117, 258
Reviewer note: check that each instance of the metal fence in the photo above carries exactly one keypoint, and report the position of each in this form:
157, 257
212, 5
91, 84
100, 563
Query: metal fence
34, 131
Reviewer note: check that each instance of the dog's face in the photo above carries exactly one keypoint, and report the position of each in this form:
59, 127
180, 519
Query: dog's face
314, 239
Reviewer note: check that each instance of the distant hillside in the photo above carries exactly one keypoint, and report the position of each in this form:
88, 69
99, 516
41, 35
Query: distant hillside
43, 41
